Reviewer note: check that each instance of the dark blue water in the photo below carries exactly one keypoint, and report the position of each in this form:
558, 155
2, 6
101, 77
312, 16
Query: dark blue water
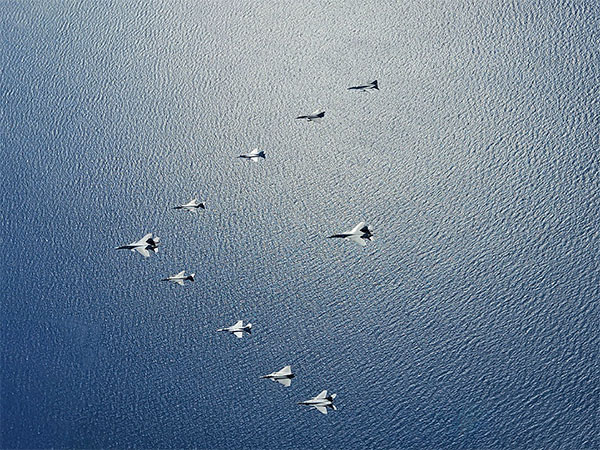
471, 320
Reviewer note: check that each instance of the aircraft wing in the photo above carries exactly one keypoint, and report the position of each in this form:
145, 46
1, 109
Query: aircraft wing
287, 370
322, 395
143, 240
321, 409
179, 282
180, 274
238, 334
145, 253
357, 228
254, 152
239, 324
360, 241
286, 382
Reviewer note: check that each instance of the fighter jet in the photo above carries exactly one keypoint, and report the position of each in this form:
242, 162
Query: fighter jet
254, 155
321, 402
238, 329
365, 87
359, 234
313, 117
284, 376
143, 245
180, 278
191, 206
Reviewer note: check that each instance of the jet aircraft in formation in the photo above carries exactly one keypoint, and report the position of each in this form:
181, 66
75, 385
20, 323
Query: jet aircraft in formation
180, 278
321, 402
359, 234
143, 245
238, 329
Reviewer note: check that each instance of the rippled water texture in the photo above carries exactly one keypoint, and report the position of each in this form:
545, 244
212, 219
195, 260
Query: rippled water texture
470, 321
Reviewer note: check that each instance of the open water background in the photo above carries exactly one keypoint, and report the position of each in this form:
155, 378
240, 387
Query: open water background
471, 320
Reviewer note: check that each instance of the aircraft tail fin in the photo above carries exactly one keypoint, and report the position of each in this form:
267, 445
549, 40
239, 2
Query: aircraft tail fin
261, 154
248, 328
375, 84
367, 234
191, 277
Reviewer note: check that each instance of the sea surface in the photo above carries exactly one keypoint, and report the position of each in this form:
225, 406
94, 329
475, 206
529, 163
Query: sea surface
470, 322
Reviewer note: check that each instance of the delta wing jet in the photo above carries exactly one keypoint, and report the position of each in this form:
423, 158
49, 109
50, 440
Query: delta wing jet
284, 376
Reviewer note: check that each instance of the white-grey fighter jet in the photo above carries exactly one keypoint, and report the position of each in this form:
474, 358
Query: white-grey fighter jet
143, 245
314, 116
365, 87
321, 402
284, 376
359, 234
254, 155
238, 329
180, 278
191, 206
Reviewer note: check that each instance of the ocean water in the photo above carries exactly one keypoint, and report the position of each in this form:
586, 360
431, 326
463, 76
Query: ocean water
470, 322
